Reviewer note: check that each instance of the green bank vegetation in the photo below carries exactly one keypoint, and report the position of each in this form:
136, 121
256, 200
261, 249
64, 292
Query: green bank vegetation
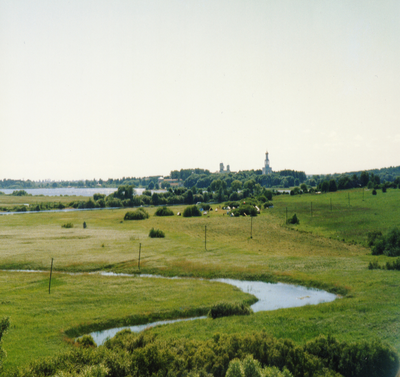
328, 249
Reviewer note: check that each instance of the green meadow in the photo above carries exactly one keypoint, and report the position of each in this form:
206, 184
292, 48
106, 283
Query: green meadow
326, 250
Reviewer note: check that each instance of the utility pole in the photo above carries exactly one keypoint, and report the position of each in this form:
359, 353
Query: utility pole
140, 249
51, 271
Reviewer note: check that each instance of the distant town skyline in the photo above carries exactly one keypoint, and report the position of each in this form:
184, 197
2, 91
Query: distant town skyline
136, 88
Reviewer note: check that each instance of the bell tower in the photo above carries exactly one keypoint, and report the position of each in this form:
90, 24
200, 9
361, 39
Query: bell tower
266, 169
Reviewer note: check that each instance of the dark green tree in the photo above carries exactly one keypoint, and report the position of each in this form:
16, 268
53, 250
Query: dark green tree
332, 185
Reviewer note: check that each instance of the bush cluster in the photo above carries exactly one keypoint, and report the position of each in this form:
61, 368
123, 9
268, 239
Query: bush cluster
67, 225
191, 211
156, 233
129, 354
226, 309
249, 367
164, 211
139, 214
391, 265
388, 244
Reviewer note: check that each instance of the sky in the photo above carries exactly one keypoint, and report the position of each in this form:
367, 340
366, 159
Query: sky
131, 88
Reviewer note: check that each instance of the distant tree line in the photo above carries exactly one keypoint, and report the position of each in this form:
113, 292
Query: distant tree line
204, 179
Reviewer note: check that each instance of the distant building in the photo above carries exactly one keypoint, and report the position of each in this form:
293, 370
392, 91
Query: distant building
221, 168
266, 169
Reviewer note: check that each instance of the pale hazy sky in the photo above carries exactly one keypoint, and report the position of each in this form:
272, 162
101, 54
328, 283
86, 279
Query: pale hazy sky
105, 89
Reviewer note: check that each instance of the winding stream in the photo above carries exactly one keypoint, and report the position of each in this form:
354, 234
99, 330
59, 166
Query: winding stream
271, 296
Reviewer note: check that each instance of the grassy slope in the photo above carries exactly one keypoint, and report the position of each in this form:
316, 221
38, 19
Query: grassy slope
315, 255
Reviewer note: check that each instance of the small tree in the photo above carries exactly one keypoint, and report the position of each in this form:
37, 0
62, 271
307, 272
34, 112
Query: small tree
293, 220
191, 211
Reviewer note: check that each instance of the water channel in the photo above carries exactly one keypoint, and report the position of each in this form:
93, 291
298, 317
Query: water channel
271, 296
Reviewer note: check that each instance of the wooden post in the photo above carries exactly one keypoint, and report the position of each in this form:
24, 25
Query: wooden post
311, 209
286, 216
251, 229
205, 237
51, 271
331, 204
363, 193
348, 196
140, 249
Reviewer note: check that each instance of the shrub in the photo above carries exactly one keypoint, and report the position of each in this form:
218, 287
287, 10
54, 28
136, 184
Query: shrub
395, 265
374, 265
114, 202
139, 214
86, 341
164, 211
249, 367
226, 309
67, 225
4, 325
191, 211
373, 192
19, 193
156, 233
388, 245
245, 210
293, 220
383, 188
373, 236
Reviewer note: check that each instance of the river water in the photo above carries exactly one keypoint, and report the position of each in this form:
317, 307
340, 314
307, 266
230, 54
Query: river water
271, 296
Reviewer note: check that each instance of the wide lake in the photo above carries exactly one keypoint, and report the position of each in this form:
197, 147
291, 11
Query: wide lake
72, 191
